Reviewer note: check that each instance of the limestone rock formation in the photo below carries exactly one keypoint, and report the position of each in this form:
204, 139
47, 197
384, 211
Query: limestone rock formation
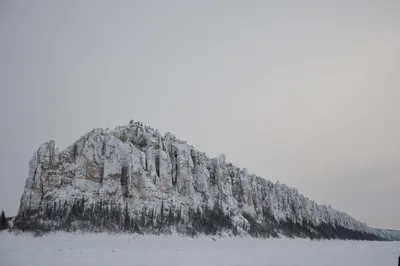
141, 178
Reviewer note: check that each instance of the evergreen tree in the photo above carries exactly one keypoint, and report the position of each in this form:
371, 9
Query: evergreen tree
127, 218
82, 206
162, 211
3, 221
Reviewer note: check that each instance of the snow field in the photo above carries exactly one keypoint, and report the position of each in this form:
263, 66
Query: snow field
64, 249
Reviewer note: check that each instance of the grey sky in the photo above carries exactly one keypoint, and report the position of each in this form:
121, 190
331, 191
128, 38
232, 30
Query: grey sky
303, 92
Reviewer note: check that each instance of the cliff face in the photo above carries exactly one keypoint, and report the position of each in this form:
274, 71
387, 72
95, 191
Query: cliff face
147, 181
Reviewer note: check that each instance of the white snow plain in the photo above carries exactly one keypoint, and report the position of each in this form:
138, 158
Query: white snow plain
64, 249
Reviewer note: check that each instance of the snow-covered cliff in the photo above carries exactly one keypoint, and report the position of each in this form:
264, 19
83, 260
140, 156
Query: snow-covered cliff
134, 168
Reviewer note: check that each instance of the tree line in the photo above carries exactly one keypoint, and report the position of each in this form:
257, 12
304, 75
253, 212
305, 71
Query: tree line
100, 216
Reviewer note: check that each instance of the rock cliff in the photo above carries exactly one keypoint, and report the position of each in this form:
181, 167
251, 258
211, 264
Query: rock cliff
135, 179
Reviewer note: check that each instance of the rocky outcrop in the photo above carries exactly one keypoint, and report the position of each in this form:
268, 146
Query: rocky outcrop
133, 173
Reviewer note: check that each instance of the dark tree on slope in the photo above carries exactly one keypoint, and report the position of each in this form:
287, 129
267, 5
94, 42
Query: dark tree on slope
127, 222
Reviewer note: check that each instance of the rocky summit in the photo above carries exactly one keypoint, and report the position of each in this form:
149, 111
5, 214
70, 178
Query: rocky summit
133, 179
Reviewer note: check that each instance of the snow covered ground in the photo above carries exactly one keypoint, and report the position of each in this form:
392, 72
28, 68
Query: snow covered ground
117, 250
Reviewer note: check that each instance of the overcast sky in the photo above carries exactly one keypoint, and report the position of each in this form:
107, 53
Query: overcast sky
303, 92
